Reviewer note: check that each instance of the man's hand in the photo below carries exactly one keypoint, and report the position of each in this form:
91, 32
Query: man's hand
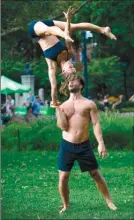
54, 105
102, 150
69, 13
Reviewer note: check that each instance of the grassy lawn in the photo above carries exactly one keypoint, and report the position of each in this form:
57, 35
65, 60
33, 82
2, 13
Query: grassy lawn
30, 180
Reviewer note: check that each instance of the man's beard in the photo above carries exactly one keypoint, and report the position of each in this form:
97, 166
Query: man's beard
74, 90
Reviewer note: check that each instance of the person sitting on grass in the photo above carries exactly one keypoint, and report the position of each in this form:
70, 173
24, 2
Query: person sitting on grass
116, 104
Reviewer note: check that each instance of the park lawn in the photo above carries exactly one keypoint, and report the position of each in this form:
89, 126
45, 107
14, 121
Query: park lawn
30, 179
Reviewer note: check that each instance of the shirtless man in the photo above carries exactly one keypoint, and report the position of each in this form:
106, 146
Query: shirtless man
74, 117
55, 52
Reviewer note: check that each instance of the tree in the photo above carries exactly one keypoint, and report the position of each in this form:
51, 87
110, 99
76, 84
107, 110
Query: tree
105, 76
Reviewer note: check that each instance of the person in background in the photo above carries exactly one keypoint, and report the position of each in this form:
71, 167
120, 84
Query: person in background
47, 103
106, 102
131, 99
30, 99
36, 106
121, 97
30, 116
9, 105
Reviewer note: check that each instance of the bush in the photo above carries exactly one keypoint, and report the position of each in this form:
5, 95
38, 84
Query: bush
128, 104
117, 130
44, 134
38, 134
128, 109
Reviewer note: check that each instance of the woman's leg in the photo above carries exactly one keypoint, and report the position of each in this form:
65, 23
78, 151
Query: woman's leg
41, 30
88, 27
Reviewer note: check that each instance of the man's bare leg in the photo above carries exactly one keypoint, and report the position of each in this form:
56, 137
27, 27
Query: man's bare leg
64, 189
102, 186
87, 27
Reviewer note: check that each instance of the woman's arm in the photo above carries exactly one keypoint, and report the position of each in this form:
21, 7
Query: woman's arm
67, 30
52, 69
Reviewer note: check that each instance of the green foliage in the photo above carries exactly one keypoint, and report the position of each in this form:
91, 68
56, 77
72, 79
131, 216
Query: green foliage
32, 10
40, 133
43, 133
105, 72
117, 130
102, 67
129, 104
127, 110
12, 68
118, 14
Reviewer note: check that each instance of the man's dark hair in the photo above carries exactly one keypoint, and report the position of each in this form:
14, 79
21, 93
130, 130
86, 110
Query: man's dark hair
63, 88
82, 81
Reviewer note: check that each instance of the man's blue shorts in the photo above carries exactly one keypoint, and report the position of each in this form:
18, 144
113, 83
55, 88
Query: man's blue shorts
82, 152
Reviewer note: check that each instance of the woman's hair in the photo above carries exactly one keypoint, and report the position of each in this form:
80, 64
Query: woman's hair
64, 85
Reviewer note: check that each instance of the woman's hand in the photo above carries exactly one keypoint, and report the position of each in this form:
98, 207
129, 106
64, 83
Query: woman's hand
69, 13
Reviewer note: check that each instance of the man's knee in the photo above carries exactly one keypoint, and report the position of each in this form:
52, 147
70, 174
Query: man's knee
63, 176
95, 174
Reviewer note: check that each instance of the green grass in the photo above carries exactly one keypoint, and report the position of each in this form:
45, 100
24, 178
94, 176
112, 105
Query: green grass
30, 180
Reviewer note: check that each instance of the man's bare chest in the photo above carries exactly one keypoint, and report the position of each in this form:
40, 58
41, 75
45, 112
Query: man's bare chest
77, 109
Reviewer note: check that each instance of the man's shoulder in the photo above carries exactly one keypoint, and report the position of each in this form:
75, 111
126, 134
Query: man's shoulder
64, 104
90, 103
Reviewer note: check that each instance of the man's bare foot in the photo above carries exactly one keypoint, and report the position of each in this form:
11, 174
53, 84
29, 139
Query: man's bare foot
111, 206
107, 32
61, 206
65, 208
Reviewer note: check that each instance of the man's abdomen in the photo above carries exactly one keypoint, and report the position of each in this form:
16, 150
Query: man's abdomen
76, 136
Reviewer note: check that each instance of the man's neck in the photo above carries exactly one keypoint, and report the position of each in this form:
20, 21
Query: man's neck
75, 96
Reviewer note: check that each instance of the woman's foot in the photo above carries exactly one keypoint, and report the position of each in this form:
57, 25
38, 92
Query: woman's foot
107, 32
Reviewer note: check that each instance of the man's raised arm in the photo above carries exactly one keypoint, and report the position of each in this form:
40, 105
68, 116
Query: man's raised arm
61, 119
